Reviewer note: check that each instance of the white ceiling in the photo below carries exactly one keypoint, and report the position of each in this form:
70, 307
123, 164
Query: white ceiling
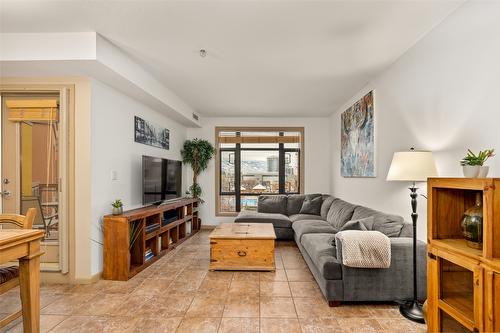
265, 58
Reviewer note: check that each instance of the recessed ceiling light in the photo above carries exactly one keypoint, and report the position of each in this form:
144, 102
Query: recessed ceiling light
203, 53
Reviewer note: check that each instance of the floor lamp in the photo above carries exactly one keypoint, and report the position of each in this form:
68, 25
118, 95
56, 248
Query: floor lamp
412, 166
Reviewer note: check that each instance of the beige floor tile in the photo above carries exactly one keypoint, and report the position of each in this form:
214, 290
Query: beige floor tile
239, 325
275, 289
313, 308
56, 288
401, 325
47, 322
206, 306
199, 325
131, 304
246, 276
299, 275
91, 324
121, 287
219, 285
359, 325
219, 276
274, 325
66, 304
168, 306
278, 275
320, 325
305, 289
157, 325
380, 311
10, 302
241, 306
347, 310
100, 305
243, 287
152, 287
277, 307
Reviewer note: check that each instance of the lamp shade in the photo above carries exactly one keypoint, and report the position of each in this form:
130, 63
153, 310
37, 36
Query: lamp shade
413, 166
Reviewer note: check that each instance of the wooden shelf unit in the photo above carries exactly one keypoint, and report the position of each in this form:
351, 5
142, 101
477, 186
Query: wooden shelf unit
462, 282
122, 261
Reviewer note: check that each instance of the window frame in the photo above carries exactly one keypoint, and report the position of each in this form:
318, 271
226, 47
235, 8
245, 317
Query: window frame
282, 151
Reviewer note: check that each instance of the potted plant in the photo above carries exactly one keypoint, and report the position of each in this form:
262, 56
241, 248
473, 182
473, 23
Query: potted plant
473, 165
197, 153
117, 207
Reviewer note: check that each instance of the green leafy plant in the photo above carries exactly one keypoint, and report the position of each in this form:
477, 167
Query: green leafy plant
117, 203
479, 159
197, 153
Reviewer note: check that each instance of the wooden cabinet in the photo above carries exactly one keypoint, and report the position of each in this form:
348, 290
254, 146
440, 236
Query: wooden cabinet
462, 281
139, 237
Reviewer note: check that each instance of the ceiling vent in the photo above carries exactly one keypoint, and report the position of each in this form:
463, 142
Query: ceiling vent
195, 117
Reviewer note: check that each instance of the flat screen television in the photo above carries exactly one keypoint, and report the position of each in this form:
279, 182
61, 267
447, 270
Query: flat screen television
161, 180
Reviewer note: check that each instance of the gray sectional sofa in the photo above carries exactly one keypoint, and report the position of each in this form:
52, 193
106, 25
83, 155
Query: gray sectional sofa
313, 220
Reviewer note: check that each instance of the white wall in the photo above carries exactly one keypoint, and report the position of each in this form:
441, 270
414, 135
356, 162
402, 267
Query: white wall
317, 156
442, 95
113, 148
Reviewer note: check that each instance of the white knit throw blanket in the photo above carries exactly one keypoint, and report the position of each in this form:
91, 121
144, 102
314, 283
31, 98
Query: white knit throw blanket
365, 249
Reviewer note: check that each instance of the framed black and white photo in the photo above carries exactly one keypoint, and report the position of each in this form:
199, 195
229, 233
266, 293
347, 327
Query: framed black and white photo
151, 134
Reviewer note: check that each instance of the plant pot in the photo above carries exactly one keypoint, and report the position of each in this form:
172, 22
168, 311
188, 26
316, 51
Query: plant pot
117, 210
483, 171
470, 171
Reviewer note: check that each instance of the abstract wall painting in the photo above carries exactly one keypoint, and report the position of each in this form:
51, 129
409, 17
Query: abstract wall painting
357, 139
151, 134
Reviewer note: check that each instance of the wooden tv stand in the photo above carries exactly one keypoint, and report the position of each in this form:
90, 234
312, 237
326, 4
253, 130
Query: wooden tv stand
122, 260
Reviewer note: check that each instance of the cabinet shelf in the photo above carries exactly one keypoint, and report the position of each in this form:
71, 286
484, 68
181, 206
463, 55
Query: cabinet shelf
458, 246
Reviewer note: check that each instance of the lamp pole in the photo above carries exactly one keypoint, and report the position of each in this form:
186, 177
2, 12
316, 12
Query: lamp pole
412, 309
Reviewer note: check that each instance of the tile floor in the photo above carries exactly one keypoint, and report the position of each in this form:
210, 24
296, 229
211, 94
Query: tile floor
179, 294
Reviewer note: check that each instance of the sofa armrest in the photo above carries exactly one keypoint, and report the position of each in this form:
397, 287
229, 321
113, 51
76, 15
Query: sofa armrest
401, 250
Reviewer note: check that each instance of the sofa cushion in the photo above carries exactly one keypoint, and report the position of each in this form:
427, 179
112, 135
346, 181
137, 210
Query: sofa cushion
278, 220
299, 217
325, 206
311, 227
340, 213
361, 224
294, 203
388, 224
312, 205
323, 254
275, 204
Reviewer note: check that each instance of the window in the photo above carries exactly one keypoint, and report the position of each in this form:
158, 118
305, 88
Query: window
254, 161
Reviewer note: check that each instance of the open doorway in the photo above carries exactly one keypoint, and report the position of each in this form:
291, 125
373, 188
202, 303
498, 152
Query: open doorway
31, 163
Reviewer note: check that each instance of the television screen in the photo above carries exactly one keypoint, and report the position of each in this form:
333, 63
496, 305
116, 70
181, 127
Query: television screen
161, 179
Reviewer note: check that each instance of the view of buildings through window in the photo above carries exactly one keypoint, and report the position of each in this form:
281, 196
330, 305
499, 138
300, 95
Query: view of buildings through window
254, 163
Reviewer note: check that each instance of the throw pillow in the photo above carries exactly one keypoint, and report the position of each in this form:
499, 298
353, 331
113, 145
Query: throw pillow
312, 205
361, 224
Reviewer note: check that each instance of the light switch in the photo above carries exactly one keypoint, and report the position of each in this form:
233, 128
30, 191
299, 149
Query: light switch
114, 175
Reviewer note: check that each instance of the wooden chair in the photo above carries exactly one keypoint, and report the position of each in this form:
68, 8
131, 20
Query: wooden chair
9, 276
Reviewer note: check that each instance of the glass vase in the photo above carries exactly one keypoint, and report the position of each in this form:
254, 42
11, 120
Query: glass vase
472, 224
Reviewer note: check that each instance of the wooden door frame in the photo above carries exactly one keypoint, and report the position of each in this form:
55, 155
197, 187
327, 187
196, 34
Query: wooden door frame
66, 161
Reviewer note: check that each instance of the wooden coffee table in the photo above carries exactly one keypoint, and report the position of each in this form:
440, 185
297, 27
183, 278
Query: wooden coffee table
242, 247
